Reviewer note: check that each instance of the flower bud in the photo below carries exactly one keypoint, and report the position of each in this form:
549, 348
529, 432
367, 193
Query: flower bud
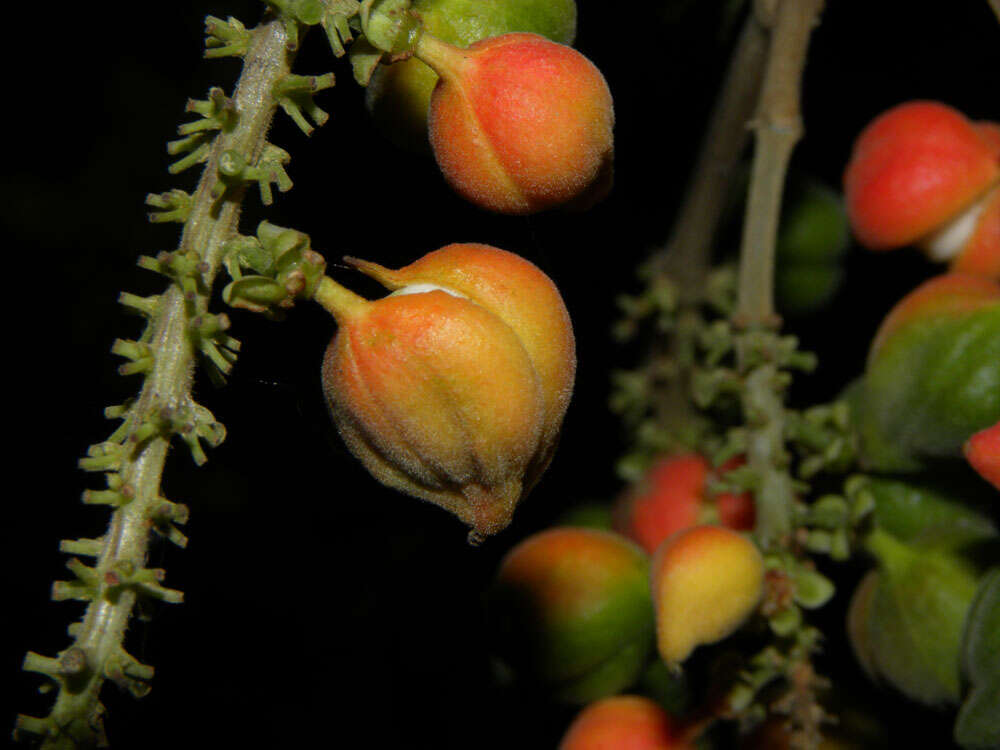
399, 94
520, 124
706, 581
673, 496
571, 612
623, 722
453, 388
933, 374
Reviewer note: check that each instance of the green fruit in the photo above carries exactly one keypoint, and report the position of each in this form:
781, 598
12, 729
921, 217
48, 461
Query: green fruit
571, 612
812, 240
916, 619
978, 723
931, 383
399, 94
932, 514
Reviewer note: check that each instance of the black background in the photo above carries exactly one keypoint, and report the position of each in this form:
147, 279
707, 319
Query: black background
321, 609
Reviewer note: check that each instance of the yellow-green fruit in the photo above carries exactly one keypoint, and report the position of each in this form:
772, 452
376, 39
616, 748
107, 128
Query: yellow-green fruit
453, 388
570, 612
706, 581
399, 94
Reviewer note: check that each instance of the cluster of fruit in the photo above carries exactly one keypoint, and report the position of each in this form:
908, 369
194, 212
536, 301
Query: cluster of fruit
453, 388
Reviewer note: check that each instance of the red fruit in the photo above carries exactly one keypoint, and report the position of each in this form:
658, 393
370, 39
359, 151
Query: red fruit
981, 253
982, 451
917, 174
673, 497
520, 124
623, 722
989, 132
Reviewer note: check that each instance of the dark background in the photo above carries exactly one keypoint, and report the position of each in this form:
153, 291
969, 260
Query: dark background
318, 605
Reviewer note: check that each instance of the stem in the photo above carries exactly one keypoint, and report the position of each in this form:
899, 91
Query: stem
777, 127
443, 58
995, 4
75, 718
685, 256
338, 300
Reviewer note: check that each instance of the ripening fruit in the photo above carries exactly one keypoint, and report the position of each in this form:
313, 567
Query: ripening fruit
453, 388
982, 451
623, 722
933, 374
706, 581
570, 611
673, 496
922, 173
520, 124
399, 94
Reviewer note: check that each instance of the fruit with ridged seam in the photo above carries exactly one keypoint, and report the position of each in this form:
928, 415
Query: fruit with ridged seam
399, 94
520, 124
453, 388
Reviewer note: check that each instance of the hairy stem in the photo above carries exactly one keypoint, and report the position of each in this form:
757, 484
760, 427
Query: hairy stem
75, 720
777, 127
685, 256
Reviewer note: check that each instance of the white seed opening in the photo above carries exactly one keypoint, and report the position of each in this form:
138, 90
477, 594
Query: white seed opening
423, 288
945, 243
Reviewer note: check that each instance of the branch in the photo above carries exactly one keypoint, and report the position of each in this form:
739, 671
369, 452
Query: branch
685, 257
777, 127
134, 457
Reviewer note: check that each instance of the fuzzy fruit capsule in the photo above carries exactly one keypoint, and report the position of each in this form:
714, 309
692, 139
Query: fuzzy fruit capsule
438, 388
705, 581
520, 124
623, 722
399, 94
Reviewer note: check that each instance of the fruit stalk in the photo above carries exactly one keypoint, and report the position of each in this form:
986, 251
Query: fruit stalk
75, 719
777, 129
685, 256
